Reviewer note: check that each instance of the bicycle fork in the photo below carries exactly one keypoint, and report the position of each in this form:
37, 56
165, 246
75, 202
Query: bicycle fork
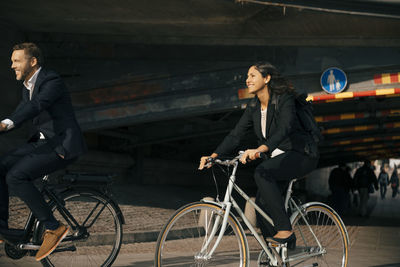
226, 207
204, 254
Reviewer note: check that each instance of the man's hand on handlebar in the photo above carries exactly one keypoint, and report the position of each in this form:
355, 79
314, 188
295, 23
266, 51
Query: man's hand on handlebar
205, 160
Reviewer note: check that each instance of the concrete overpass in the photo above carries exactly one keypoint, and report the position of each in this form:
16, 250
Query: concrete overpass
166, 79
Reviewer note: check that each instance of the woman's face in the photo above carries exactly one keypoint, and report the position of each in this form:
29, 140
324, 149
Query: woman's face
255, 81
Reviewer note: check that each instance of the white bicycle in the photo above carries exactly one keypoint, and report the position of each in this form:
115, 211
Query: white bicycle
208, 233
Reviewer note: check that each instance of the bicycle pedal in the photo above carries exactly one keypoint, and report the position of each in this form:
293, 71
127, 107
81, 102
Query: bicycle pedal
28, 246
276, 245
273, 245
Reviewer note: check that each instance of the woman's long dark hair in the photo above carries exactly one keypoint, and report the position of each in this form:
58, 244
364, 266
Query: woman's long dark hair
278, 84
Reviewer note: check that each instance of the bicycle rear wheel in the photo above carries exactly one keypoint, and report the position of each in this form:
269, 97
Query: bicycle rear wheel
330, 232
182, 239
96, 238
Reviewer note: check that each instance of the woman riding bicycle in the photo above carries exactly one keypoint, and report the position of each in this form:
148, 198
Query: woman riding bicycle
272, 115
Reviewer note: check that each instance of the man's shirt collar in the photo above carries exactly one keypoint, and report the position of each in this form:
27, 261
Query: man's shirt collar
30, 84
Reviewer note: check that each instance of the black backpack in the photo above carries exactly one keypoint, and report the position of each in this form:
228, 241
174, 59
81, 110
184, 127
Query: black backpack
305, 115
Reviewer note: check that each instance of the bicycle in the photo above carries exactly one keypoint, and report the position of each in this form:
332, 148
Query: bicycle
82, 202
208, 233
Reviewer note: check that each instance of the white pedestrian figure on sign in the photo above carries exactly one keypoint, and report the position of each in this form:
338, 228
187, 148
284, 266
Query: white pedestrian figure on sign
332, 81
338, 87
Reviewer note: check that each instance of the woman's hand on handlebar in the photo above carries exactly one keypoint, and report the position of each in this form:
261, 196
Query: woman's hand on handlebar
248, 155
205, 160
252, 154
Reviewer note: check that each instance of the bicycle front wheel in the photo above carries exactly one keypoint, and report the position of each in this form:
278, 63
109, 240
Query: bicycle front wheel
190, 234
94, 239
330, 232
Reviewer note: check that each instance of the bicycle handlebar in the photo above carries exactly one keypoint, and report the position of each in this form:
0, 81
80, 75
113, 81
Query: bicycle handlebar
231, 162
226, 162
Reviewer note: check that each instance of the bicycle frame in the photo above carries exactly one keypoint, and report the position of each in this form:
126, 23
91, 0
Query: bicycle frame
229, 201
30, 225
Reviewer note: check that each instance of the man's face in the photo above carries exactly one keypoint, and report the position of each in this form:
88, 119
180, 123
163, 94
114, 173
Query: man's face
21, 64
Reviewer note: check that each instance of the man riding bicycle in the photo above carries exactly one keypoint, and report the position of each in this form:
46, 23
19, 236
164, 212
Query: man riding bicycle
56, 141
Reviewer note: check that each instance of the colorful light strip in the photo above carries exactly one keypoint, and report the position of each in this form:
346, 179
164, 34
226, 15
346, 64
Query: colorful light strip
349, 95
387, 78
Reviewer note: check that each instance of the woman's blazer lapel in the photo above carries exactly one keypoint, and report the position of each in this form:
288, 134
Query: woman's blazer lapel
270, 115
257, 120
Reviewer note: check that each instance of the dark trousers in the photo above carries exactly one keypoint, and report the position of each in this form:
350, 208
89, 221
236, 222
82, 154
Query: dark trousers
340, 200
19, 168
272, 177
394, 191
383, 190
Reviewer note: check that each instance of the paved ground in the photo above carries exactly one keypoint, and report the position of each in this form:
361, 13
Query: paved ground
375, 241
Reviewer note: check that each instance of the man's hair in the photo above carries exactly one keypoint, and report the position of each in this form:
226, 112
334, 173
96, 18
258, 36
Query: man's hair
32, 50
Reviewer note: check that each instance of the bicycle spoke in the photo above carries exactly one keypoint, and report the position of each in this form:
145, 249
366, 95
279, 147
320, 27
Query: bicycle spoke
174, 249
328, 230
97, 240
91, 213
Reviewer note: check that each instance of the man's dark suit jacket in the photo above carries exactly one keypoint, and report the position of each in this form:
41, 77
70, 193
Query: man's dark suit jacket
51, 112
283, 129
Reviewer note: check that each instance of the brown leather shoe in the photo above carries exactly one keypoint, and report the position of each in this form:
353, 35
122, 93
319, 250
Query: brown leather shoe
51, 240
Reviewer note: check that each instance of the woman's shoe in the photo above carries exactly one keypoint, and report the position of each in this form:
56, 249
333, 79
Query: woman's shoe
290, 241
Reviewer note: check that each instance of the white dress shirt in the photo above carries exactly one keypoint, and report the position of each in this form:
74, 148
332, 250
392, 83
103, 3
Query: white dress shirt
29, 85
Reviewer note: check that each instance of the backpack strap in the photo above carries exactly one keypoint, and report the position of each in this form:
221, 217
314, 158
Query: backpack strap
275, 101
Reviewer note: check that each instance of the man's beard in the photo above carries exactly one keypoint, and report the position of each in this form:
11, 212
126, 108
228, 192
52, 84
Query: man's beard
25, 73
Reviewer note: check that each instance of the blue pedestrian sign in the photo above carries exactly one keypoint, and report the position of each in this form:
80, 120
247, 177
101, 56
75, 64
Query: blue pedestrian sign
333, 80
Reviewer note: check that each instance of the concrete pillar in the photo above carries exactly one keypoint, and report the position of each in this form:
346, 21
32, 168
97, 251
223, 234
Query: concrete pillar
137, 170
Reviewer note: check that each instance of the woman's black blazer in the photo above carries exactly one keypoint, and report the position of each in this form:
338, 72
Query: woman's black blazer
283, 130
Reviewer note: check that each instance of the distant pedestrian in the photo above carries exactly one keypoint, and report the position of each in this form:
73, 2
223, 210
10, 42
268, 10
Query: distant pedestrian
365, 181
394, 182
383, 180
340, 184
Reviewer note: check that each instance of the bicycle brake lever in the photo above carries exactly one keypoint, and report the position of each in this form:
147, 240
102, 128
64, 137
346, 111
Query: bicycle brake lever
210, 162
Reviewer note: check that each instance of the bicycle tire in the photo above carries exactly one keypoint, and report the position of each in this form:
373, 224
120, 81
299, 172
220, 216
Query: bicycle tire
330, 231
97, 215
182, 237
